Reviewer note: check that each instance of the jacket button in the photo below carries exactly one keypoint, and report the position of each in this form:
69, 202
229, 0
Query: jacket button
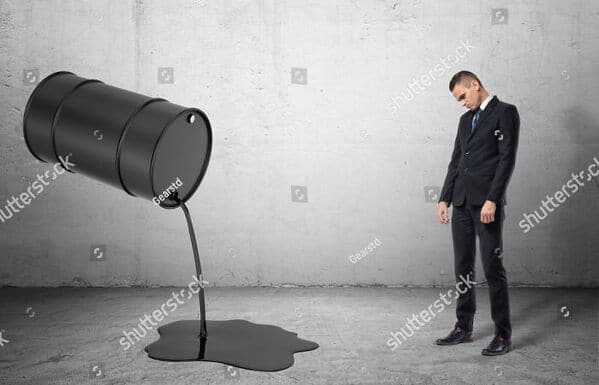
467, 152
466, 169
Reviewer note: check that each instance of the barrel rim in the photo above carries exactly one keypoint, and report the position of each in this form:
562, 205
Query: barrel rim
202, 173
26, 111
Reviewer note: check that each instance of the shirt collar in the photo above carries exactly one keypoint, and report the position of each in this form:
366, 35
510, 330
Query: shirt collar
483, 105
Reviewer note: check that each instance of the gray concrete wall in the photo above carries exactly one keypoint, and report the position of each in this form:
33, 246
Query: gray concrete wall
370, 161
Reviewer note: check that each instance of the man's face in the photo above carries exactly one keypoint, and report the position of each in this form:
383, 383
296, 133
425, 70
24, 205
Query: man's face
468, 94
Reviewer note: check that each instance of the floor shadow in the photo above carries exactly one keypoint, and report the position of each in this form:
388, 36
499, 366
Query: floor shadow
520, 314
538, 314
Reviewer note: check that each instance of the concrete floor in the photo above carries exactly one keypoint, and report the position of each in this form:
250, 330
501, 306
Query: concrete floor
56, 336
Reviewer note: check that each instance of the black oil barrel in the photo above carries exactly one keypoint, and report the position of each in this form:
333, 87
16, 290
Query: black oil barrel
146, 146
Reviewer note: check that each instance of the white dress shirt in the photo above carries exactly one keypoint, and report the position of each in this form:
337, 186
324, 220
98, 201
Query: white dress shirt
483, 105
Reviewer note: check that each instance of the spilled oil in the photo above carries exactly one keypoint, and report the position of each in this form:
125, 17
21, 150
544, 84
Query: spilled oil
237, 343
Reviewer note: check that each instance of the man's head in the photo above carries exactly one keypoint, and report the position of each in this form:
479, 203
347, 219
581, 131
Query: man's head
468, 89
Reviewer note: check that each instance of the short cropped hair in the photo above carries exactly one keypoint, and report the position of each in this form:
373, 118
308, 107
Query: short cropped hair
462, 76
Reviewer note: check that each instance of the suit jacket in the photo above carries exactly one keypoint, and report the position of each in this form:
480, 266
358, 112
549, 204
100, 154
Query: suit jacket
482, 162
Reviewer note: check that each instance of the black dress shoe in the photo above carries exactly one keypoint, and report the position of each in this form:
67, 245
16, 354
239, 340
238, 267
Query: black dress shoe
457, 336
498, 346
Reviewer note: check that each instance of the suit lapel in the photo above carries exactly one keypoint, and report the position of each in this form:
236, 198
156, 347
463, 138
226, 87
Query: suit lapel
468, 127
484, 114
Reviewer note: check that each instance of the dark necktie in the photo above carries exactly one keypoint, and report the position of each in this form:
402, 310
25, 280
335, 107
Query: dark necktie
475, 120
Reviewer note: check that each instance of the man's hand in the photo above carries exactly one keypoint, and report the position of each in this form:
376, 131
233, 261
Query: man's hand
487, 213
442, 213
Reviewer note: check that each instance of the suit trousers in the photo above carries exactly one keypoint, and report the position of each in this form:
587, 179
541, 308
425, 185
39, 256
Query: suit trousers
465, 227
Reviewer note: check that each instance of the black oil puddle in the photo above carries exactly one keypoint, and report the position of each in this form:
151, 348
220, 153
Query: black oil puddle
237, 343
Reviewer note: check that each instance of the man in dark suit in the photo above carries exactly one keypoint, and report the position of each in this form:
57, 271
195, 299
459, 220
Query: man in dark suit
481, 165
